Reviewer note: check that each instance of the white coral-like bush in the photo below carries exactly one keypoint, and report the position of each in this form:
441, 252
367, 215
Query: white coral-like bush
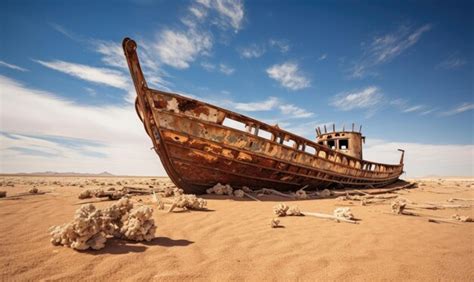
293, 211
220, 189
87, 230
91, 226
138, 225
343, 213
462, 218
325, 193
275, 222
301, 194
280, 209
239, 193
188, 202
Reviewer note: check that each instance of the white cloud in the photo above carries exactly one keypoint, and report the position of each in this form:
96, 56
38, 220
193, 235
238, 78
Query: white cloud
289, 76
282, 45
364, 99
178, 49
452, 62
294, 111
459, 109
208, 66
385, 48
98, 75
322, 57
252, 51
414, 108
13, 67
424, 159
266, 105
230, 12
289, 111
225, 69
123, 142
112, 53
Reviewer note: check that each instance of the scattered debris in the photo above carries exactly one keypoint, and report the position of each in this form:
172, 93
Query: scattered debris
293, 211
398, 206
220, 189
280, 209
187, 202
325, 193
275, 223
301, 194
239, 193
329, 216
343, 213
91, 226
33, 190
462, 218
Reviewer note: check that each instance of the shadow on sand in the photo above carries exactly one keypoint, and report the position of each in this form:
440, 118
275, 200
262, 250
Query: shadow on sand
117, 246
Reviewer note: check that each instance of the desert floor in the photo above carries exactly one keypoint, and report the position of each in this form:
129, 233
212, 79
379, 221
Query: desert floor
233, 239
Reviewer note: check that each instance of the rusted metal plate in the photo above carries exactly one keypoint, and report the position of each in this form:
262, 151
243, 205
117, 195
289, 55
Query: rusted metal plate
198, 150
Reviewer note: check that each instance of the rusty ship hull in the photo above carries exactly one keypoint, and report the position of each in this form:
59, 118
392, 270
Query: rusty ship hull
198, 149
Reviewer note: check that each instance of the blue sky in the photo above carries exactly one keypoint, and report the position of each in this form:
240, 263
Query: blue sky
403, 70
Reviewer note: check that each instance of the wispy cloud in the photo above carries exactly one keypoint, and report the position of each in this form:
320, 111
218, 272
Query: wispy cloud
266, 105
225, 69
289, 111
178, 49
294, 112
11, 66
459, 109
385, 48
112, 53
367, 98
414, 109
229, 13
323, 57
208, 66
454, 61
289, 76
86, 138
252, 51
405, 107
282, 45
92, 74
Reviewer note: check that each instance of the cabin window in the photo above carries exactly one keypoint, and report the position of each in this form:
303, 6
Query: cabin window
343, 144
234, 124
289, 143
309, 149
332, 144
265, 134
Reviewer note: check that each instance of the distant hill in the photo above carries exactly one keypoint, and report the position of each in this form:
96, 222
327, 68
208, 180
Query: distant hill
54, 173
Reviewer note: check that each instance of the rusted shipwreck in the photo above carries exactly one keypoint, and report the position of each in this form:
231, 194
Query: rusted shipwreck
199, 147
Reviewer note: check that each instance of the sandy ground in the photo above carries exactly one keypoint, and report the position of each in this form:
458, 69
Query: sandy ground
234, 241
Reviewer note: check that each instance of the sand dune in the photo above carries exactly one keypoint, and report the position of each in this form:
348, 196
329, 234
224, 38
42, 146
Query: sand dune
233, 239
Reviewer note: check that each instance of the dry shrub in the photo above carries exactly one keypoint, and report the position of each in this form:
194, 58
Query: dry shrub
91, 226
280, 209
275, 223
239, 193
343, 213
220, 189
